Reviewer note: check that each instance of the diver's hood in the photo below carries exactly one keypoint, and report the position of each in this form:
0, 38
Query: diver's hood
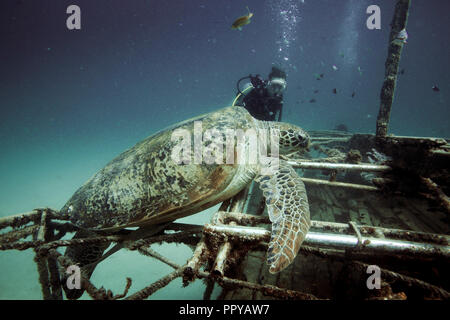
276, 86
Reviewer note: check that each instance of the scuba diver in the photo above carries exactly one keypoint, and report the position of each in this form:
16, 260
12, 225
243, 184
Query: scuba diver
263, 99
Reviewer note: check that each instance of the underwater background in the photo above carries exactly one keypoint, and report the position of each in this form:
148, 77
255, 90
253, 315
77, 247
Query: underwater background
72, 100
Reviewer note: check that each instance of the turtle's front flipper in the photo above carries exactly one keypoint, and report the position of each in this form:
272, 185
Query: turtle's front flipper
288, 208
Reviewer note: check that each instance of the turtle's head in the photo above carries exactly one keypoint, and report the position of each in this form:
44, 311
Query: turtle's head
292, 138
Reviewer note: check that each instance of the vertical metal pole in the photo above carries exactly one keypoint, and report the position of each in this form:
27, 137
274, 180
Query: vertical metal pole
394, 52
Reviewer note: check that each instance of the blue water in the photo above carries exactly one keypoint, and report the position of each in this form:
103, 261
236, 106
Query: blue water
70, 101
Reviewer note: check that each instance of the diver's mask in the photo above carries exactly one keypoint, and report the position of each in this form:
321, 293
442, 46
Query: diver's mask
276, 86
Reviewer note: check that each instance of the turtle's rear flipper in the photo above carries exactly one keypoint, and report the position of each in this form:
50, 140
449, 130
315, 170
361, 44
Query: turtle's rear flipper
85, 257
141, 233
288, 208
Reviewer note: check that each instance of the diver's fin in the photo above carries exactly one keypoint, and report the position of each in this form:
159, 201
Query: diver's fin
288, 208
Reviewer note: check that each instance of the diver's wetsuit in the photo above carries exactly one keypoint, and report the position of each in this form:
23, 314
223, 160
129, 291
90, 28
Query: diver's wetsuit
261, 105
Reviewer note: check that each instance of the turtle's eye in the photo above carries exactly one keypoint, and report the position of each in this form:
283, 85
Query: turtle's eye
303, 139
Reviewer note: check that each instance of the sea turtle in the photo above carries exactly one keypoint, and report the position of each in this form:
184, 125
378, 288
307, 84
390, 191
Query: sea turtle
147, 186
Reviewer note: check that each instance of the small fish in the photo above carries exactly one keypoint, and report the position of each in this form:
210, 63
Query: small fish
353, 94
316, 91
435, 88
318, 76
334, 67
402, 71
242, 21
334, 91
312, 100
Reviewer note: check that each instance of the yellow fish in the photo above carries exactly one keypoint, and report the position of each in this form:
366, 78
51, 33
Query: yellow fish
242, 21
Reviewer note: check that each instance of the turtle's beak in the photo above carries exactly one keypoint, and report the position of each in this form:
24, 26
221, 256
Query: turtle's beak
305, 140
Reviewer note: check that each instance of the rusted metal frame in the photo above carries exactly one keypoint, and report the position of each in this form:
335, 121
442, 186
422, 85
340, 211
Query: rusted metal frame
328, 133
268, 290
394, 276
398, 23
41, 261
338, 166
353, 225
241, 218
353, 186
316, 160
46, 266
95, 293
18, 222
236, 203
171, 237
389, 275
222, 280
198, 256
21, 219
151, 253
338, 241
325, 140
44, 245
221, 259
222, 256
437, 193
15, 235
161, 283
398, 234
343, 228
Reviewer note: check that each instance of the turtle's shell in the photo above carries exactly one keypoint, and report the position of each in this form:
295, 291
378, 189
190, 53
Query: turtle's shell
143, 185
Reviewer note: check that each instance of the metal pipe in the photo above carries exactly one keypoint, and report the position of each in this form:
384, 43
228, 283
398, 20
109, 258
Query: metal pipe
339, 184
320, 133
398, 24
331, 139
267, 289
247, 233
339, 241
221, 259
343, 228
338, 166
24, 218
195, 262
